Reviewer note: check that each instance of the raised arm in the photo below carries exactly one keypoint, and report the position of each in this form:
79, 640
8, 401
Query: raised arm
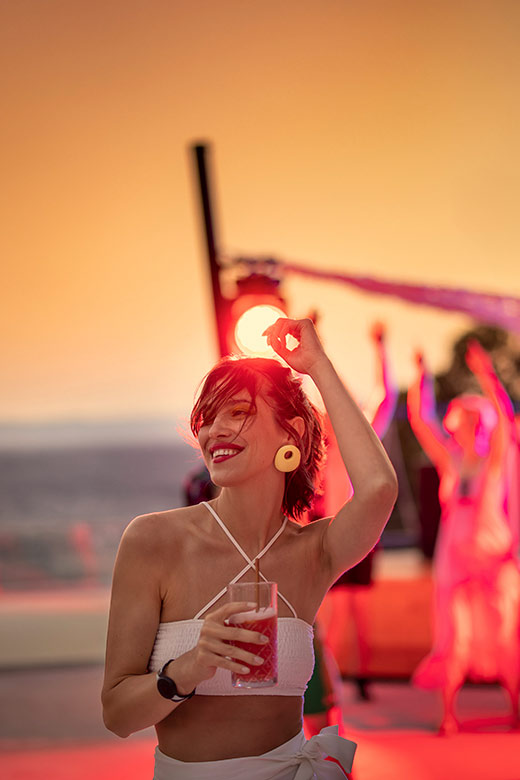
503, 436
423, 419
357, 526
384, 413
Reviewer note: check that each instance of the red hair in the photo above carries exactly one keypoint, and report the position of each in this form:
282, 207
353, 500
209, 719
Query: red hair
283, 392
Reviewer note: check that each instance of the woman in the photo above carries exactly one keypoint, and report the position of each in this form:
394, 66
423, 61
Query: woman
477, 581
174, 565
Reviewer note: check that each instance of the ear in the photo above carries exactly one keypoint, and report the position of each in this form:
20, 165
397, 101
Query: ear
299, 425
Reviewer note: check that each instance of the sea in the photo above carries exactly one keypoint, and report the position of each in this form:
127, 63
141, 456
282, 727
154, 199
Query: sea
68, 491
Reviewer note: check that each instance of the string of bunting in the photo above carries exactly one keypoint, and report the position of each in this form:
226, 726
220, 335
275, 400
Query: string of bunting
501, 310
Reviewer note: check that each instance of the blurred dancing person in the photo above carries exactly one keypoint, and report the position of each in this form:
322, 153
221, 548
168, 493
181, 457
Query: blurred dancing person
476, 572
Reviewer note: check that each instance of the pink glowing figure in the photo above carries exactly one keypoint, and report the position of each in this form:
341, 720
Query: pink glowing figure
476, 572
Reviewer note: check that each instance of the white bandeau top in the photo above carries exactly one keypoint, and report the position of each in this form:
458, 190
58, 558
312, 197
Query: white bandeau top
295, 642
295, 658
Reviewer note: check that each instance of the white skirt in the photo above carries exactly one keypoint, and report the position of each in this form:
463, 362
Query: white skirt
297, 759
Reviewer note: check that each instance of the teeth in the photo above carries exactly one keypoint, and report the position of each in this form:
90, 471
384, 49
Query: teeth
220, 453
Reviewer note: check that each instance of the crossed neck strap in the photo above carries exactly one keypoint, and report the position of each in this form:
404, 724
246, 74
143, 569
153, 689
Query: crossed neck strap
250, 563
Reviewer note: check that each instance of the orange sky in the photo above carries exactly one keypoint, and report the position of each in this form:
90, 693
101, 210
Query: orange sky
373, 137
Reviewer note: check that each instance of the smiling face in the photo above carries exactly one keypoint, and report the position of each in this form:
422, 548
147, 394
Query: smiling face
239, 439
246, 409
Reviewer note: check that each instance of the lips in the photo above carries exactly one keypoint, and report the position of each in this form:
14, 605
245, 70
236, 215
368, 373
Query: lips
220, 453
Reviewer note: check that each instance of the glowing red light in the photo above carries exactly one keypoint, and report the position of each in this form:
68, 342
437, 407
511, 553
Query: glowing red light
250, 326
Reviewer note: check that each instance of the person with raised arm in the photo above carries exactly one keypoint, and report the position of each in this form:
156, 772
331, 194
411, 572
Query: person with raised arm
476, 572
344, 602
170, 646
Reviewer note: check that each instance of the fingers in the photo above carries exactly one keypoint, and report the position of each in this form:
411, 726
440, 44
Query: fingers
302, 330
210, 656
277, 334
217, 645
244, 635
223, 653
230, 633
216, 624
285, 326
230, 608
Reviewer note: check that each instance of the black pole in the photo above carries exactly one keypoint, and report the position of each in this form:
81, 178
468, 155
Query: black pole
218, 300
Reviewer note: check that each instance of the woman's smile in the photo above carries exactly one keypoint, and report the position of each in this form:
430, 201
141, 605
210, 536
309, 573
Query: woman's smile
237, 426
220, 452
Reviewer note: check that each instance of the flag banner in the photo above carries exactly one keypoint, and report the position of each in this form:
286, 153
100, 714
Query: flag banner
500, 310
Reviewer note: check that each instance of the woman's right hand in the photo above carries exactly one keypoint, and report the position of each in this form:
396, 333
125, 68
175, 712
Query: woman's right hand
214, 649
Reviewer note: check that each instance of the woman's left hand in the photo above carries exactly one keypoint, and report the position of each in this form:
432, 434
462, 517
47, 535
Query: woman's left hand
309, 350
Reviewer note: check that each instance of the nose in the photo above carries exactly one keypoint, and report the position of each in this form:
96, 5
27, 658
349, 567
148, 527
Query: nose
220, 426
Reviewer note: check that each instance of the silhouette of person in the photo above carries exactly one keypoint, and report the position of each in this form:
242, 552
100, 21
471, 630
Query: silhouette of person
476, 572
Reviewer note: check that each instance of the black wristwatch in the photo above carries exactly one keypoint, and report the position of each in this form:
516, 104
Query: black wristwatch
167, 688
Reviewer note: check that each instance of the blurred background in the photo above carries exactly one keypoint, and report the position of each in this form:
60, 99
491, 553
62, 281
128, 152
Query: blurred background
373, 139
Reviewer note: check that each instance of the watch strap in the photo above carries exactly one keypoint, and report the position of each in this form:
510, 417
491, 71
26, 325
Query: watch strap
172, 694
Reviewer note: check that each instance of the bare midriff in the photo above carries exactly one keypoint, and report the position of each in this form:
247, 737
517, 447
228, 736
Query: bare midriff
212, 728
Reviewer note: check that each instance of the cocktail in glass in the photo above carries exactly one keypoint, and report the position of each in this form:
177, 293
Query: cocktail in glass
263, 617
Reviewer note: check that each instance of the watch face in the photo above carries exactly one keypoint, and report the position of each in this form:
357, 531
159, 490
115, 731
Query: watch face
166, 687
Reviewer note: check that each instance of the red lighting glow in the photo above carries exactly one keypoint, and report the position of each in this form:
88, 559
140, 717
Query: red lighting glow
251, 325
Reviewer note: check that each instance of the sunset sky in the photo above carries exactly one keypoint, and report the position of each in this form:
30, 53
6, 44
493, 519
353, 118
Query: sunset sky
370, 136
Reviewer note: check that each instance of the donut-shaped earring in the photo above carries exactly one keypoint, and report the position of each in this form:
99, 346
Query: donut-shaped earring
287, 458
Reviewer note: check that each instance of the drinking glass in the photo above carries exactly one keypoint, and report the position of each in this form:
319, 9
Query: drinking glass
262, 618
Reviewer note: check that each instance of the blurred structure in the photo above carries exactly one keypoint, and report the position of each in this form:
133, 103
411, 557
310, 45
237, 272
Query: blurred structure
246, 291
503, 348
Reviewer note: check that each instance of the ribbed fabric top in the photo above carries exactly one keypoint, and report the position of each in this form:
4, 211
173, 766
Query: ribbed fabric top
295, 657
295, 641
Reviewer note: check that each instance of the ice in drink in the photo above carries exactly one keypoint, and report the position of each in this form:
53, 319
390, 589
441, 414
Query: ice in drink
263, 620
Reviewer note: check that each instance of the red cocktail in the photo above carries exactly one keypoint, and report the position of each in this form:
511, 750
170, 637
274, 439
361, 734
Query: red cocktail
265, 622
262, 617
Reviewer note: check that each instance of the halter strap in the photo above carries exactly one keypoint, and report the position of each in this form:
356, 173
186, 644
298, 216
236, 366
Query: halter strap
250, 563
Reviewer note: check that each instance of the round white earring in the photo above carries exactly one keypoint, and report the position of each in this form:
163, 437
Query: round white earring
287, 458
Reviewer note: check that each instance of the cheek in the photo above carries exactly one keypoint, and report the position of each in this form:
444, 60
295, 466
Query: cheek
202, 439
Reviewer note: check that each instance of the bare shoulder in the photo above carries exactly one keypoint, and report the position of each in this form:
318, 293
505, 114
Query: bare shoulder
148, 545
150, 531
